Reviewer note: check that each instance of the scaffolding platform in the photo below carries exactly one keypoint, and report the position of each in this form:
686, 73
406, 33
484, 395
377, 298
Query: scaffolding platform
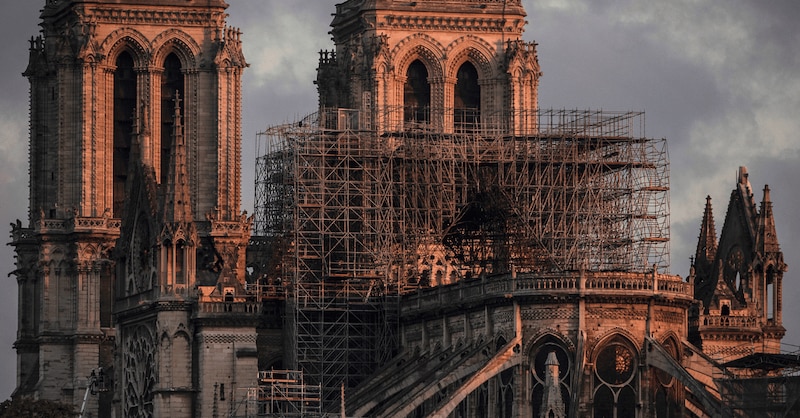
370, 200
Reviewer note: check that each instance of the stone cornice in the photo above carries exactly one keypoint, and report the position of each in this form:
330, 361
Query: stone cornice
451, 23
93, 338
150, 308
151, 16
212, 338
623, 312
730, 335
65, 339
152, 12
230, 320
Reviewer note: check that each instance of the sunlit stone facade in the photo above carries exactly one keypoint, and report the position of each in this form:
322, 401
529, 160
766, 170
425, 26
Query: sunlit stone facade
133, 256
135, 151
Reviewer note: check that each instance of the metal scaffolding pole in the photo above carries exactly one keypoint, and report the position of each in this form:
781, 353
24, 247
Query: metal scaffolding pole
355, 205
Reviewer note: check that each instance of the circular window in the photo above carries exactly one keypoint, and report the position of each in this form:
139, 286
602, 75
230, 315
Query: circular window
540, 360
616, 364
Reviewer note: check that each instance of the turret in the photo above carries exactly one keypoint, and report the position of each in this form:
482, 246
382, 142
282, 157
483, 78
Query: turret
738, 280
552, 403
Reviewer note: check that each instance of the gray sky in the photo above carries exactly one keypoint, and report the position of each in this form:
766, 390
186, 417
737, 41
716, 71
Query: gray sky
720, 79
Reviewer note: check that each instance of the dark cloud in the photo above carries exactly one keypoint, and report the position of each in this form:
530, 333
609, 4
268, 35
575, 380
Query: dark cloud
18, 23
717, 78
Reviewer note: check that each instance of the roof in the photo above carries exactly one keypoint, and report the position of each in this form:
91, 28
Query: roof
764, 361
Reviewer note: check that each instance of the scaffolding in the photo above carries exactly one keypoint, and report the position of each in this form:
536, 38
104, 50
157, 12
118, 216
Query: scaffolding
284, 394
380, 205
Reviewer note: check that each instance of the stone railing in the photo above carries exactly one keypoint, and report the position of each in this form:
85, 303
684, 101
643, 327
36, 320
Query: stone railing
610, 284
220, 308
78, 224
228, 227
737, 322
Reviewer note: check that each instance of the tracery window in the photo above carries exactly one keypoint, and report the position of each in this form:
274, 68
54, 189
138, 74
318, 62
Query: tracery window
666, 387
467, 100
615, 380
171, 82
539, 371
482, 409
505, 393
417, 93
504, 401
124, 114
139, 379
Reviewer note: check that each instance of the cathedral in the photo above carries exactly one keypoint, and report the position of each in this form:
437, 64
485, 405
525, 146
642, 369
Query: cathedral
429, 242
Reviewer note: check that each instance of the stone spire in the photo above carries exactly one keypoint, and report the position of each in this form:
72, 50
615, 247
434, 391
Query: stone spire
766, 235
707, 242
178, 230
552, 404
177, 199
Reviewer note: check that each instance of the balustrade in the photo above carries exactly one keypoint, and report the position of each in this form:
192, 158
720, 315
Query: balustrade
469, 291
228, 307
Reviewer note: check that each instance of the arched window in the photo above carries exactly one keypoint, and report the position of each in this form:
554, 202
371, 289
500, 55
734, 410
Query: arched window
770, 296
417, 93
615, 380
124, 115
467, 100
180, 268
667, 400
504, 399
171, 82
539, 370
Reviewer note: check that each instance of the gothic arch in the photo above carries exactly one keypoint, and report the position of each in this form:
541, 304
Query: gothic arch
516, 71
178, 42
55, 256
176, 235
472, 49
545, 333
166, 342
606, 337
382, 69
422, 47
666, 388
521, 69
182, 333
90, 252
541, 346
500, 340
126, 39
671, 344
615, 374
671, 336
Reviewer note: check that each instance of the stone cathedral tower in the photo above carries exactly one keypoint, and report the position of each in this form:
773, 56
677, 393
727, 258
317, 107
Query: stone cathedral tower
132, 259
443, 64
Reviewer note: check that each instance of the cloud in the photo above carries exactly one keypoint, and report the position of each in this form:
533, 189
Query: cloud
13, 147
280, 42
718, 79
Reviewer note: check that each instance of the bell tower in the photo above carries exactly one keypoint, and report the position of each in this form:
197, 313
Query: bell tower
443, 64
135, 161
